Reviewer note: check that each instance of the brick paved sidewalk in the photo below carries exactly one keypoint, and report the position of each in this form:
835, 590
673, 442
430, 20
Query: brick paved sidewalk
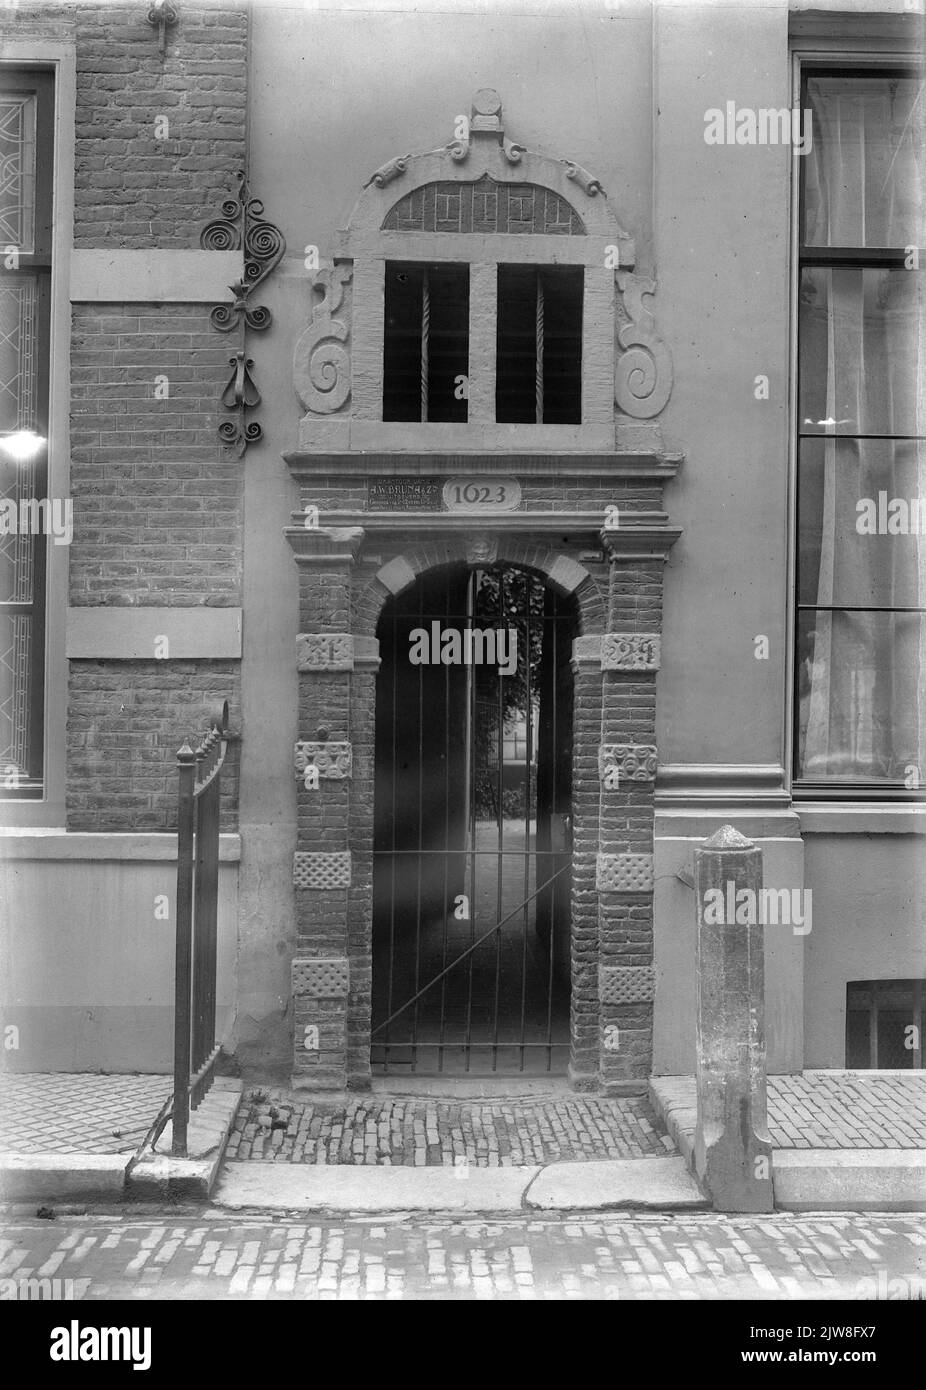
698, 1257
53, 1112
424, 1131
848, 1110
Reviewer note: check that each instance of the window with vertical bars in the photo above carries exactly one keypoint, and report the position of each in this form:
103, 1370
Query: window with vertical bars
426, 342
538, 364
538, 367
26, 136
884, 1024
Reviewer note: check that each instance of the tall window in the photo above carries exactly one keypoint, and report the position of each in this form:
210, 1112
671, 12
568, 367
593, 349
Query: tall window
26, 132
860, 686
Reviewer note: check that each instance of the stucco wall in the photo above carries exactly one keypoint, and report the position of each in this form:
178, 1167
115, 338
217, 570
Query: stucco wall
869, 901
87, 957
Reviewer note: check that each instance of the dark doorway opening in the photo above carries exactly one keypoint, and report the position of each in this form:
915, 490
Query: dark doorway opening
472, 842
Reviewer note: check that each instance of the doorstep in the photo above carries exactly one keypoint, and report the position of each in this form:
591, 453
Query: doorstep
636, 1184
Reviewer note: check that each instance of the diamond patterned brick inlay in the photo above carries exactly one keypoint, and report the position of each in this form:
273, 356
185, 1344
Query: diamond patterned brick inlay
624, 873
633, 762
325, 651
319, 870
630, 651
333, 760
325, 977
626, 984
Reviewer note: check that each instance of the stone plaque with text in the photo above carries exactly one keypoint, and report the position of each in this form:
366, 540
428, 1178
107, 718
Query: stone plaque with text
403, 494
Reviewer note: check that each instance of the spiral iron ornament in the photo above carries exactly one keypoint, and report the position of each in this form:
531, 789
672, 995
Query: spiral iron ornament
241, 225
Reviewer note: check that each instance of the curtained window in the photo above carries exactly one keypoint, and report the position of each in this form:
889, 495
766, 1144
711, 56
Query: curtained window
861, 485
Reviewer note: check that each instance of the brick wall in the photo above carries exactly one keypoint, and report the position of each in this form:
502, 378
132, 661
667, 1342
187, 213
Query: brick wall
157, 505
132, 188
126, 721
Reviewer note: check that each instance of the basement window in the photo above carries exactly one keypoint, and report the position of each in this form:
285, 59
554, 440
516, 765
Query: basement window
884, 1024
539, 345
426, 342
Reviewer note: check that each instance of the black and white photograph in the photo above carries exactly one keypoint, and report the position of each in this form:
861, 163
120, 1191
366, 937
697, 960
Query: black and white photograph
462, 670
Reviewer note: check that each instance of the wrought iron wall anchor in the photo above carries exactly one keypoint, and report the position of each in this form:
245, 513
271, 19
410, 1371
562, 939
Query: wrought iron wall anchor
162, 15
240, 394
242, 225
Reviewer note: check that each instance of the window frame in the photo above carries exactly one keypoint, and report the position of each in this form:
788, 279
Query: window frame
55, 54
807, 63
37, 264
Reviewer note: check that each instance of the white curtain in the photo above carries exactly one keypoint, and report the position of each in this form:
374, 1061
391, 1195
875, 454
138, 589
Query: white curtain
863, 354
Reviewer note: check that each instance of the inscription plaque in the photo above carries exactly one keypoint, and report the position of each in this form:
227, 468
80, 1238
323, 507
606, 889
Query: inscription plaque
403, 494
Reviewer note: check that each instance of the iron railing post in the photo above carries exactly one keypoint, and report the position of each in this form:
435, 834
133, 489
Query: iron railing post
186, 765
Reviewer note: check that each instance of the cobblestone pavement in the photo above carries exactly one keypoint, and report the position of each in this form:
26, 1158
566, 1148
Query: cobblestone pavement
201, 1255
82, 1112
848, 1110
419, 1131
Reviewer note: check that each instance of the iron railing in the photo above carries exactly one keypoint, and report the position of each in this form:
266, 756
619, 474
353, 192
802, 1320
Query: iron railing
195, 1048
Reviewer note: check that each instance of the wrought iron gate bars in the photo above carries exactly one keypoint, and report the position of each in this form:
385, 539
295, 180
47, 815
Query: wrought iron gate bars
509, 609
463, 955
195, 1048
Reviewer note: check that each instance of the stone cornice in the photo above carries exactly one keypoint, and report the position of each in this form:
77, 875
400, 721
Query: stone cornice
658, 466
324, 545
642, 534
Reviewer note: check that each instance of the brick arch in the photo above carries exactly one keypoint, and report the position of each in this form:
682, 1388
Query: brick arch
560, 571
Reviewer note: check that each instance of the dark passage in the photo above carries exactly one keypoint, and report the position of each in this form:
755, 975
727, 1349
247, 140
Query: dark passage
473, 795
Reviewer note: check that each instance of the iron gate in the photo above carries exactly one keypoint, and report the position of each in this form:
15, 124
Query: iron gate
472, 852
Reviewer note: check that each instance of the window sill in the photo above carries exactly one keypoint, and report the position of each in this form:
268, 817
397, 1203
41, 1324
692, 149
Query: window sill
52, 843
861, 818
319, 434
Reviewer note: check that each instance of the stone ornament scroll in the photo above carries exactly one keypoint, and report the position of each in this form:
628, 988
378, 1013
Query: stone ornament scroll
321, 364
643, 371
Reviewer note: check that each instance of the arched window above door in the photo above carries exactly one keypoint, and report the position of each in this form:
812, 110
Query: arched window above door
481, 298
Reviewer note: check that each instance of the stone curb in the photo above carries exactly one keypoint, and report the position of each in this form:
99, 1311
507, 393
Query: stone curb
849, 1179
638, 1184
811, 1179
62, 1176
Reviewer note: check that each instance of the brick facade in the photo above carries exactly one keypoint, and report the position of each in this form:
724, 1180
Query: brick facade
126, 721
157, 505
134, 188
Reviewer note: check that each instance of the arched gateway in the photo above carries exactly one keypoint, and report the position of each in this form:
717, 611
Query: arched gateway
472, 824
481, 482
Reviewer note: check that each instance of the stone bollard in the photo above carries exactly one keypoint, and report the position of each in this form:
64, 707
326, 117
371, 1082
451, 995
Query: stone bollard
733, 1155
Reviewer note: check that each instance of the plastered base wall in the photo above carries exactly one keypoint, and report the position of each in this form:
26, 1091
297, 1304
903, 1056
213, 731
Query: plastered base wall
87, 970
675, 933
869, 900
